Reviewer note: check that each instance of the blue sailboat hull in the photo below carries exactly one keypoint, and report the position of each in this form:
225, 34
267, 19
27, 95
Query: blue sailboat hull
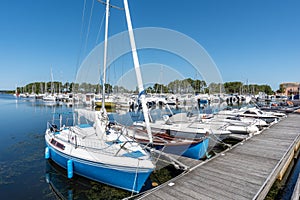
197, 151
131, 179
194, 151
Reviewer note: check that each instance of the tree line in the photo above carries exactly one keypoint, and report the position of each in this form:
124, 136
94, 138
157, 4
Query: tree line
59, 87
200, 86
177, 86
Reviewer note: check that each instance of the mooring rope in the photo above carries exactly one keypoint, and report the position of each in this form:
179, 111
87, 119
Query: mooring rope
135, 178
218, 140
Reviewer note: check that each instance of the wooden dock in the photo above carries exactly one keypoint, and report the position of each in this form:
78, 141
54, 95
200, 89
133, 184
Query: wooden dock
246, 171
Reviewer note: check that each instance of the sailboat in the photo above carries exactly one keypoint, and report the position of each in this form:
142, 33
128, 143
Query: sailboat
100, 152
50, 97
195, 148
109, 102
176, 138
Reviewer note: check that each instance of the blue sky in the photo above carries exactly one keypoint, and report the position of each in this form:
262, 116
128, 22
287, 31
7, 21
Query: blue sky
254, 40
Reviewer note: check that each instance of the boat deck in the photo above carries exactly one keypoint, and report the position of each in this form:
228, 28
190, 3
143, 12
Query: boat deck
246, 171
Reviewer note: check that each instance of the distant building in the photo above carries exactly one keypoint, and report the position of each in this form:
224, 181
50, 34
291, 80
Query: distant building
290, 88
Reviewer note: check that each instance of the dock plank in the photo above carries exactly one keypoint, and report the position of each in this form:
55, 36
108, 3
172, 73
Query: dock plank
231, 180
251, 168
223, 184
160, 195
153, 196
215, 191
250, 177
183, 187
261, 153
270, 142
259, 162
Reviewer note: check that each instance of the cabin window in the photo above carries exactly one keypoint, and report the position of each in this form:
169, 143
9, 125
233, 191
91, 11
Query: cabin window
57, 144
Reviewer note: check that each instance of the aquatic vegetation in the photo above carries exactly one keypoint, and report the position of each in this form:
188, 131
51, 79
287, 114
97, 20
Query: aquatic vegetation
5, 174
18, 155
106, 192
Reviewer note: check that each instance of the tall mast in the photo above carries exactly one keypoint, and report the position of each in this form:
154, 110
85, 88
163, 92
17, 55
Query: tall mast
138, 71
52, 86
105, 53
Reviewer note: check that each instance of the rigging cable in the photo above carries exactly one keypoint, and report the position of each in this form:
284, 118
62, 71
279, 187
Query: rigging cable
100, 28
89, 25
81, 40
82, 18
110, 5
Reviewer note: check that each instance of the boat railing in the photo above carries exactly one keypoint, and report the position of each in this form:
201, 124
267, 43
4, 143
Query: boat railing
62, 119
122, 147
94, 145
52, 127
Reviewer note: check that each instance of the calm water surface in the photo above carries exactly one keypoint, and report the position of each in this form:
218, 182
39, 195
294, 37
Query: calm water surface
24, 173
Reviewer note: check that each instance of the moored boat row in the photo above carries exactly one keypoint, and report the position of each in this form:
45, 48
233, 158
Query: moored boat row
121, 155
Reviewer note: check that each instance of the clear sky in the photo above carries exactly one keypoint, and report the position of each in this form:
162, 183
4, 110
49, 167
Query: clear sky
254, 40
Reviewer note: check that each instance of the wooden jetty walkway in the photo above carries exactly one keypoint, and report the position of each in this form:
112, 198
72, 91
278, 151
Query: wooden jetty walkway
246, 171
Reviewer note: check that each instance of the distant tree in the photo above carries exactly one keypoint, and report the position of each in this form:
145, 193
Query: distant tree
174, 86
149, 89
198, 86
215, 88
119, 89
281, 89
74, 87
136, 90
160, 88
233, 87
108, 88
266, 89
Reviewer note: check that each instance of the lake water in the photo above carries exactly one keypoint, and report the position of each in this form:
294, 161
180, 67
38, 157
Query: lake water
25, 174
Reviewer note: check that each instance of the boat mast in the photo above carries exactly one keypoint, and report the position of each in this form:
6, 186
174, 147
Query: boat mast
105, 54
52, 86
138, 71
